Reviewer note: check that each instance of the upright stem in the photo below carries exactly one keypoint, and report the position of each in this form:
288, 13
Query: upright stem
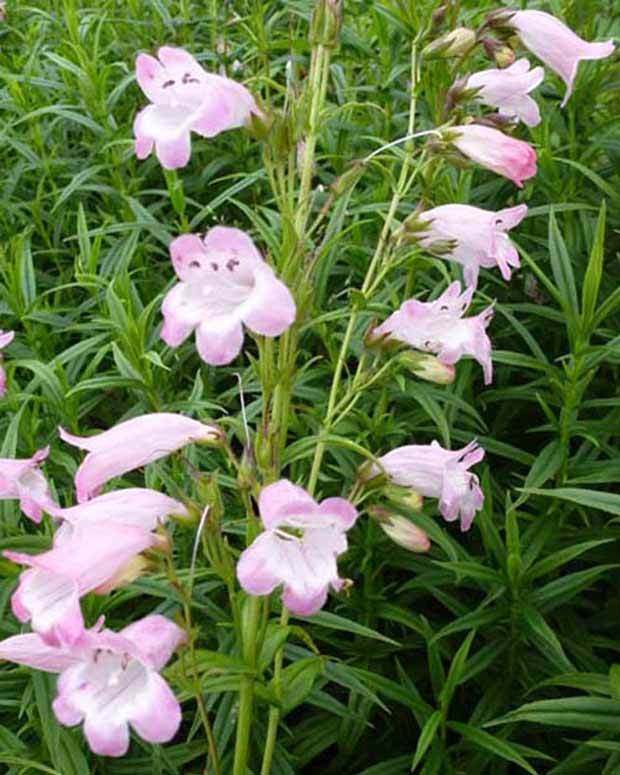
246, 694
399, 192
274, 713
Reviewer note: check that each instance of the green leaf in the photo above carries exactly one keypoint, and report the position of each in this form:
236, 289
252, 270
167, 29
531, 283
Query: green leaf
594, 272
594, 499
427, 735
494, 745
596, 714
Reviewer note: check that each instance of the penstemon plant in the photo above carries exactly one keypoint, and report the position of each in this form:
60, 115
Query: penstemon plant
237, 299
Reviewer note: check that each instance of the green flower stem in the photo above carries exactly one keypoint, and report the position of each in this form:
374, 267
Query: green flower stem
246, 694
274, 713
401, 189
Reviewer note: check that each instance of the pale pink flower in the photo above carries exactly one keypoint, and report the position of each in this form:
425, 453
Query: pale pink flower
110, 681
472, 237
185, 99
435, 472
133, 506
6, 337
225, 284
22, 480
299, 548
556, 45
82, 559
508, 90
132, 444
439, 327
514, 159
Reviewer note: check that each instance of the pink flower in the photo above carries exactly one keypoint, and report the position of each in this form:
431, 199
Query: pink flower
225, 284
508, 90
299, 547
133, 506
22, 480
185, 99
514, 159
556, 45
110, 681
82, 558
439, 473
439, 327
132, 444
472, 237
6, 337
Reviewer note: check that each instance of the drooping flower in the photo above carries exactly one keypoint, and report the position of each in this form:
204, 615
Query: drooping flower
556, 45
82, 559
132, 444
6, 337
470, 236
224, 285
134, 506
22, 480
508, 90
110, 681
505, 155
185, 99
436, 472
439, 327
298, 549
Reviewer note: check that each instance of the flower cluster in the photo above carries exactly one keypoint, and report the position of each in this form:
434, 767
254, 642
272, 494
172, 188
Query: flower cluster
110, 681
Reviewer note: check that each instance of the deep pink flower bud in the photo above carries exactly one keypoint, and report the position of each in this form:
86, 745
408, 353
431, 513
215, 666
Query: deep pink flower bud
514, 159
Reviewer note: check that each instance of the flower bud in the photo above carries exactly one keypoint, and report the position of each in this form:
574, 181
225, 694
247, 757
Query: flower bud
401, 530
427, 367
214, 438
458, 42
210, 495
326, 22
259, 125
501, 53
405, 497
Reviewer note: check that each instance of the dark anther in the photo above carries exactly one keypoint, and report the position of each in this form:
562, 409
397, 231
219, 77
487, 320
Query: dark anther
231, 264
166, 84
194, 264
214, 266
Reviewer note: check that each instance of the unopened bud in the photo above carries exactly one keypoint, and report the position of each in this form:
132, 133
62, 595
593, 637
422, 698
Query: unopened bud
326, 22
370, 471
427, 367
401, 530
499, 52
499, 18
129, 572
210, 495
458, 42
348, 178
213, 438
438, 15
404, 497
259, 125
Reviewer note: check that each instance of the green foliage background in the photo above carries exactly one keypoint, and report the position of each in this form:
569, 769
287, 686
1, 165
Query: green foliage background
498, 652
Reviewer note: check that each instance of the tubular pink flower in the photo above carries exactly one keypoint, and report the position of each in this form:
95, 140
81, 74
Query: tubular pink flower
184, 99
439, 327
110, 681
556, 45
224, 284
474, 237
22, 480
508, 90
439, 473
299, 548
6, 337
514, 159
137, 507
132, 444
82, 558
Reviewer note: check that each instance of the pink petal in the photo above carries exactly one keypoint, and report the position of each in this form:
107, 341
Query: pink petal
105, 736
148, 74
279, 500
188, 255
219, 340
31, 650
157, 713
156, 637
182, 313
174, 154
341, 510
259, 569
270, 310
304, 605
226, 239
